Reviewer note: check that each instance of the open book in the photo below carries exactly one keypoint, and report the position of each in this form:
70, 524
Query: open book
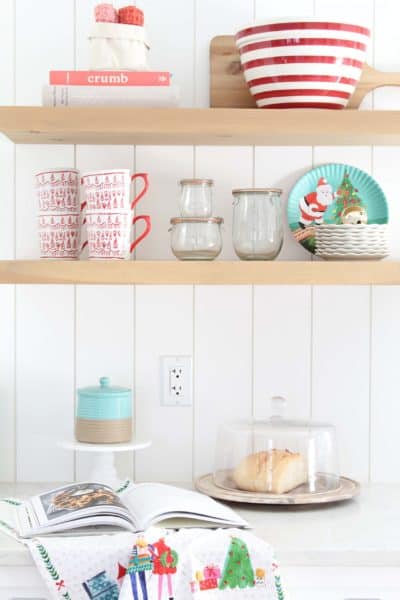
135, 508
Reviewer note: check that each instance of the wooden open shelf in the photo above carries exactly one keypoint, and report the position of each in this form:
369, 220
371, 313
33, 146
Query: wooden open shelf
213, 273
201, 126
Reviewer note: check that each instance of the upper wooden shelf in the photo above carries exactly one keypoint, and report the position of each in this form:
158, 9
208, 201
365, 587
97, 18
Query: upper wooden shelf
189, 273
200, 126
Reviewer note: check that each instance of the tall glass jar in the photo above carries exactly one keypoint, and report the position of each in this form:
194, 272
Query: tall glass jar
257, 223
196, 197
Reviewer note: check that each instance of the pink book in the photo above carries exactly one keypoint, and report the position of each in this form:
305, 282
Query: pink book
110, 78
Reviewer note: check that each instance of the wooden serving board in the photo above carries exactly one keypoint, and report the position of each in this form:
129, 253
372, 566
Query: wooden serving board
348, 488
228, 88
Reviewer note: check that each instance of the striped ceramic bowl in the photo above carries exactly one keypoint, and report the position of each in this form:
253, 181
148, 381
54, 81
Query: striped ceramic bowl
302, 63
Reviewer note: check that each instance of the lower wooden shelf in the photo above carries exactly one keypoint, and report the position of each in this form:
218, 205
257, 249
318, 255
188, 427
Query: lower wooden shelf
210, 273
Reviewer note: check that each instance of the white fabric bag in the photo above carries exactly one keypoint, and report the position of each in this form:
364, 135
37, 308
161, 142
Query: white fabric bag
117, 46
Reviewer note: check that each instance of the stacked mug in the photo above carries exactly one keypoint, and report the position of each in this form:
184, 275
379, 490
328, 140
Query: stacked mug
59, 213
196, 234
109, 213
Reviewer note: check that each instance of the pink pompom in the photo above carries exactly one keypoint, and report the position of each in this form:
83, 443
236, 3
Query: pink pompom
105, 13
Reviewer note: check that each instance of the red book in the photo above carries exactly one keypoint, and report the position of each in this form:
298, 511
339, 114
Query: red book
110, 78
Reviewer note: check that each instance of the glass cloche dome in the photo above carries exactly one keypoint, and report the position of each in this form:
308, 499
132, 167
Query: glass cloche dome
277, 456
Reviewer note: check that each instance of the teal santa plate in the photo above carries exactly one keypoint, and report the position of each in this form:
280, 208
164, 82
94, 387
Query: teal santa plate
334, 194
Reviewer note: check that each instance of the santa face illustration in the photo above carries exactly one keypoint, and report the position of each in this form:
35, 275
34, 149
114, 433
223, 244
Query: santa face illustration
313, 205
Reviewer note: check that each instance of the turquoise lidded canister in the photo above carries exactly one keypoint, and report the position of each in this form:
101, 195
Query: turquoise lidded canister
104, 413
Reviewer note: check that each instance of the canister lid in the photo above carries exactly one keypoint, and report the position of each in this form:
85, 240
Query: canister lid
218, 220
257, 191
104, 389
196, 182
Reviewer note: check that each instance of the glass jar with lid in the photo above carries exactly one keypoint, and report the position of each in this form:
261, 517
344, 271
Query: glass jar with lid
196, 197
277, 456
196, 238
257, 223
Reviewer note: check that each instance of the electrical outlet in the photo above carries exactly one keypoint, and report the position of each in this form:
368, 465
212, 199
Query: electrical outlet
176, 380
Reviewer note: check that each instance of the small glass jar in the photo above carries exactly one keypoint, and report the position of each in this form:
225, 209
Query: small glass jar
257, 223
196, 197
196, 238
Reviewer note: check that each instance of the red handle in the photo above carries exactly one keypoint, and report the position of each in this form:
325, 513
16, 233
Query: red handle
140, 195
146, 232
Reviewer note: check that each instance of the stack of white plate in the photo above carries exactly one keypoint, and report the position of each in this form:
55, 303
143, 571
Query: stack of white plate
352, 242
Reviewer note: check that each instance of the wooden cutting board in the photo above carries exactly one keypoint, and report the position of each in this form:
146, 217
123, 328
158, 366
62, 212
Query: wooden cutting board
228, 88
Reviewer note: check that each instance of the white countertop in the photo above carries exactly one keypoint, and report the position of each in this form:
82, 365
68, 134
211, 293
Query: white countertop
358, 533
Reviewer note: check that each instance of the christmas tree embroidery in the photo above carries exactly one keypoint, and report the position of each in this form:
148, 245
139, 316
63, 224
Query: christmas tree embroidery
347, 197
238, 571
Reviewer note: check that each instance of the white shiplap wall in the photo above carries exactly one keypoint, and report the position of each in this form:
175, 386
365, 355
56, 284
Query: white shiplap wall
332, 351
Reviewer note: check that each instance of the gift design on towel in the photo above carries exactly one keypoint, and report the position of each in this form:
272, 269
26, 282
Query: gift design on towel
101, 587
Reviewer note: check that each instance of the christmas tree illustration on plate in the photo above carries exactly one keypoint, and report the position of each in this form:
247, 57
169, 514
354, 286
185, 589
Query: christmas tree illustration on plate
349, 207
238, 571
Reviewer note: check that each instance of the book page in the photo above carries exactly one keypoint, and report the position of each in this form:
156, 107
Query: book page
148, 502
75, 501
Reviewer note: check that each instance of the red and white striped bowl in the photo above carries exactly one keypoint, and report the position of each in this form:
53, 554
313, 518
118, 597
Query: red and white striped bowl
302, 63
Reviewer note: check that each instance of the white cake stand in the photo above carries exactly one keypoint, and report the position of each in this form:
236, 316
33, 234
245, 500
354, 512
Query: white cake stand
103, 469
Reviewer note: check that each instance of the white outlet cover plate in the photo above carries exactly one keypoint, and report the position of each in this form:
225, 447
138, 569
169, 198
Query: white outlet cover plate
176, 396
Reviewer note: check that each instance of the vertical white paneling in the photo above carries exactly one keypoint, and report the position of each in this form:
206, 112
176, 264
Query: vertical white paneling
7, 293
7, 383
104, 347
45, 41
387, 50
45, 382
223, 364
285, 8
45, 315
385, 170
357, 156
166, 166
164, 326
282, 349
229, 167
170, 27
385, 383
340, 371
228, 19
281, 167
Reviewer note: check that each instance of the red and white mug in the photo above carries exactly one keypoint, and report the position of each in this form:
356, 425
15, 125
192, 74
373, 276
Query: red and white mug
59, 235
110, 190
58, 190
109, 233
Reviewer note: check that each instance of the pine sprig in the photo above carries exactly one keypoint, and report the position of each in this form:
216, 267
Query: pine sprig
50, 567
278, 587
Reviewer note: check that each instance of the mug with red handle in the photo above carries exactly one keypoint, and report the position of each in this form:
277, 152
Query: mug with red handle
110, 190
108, 234
109, 209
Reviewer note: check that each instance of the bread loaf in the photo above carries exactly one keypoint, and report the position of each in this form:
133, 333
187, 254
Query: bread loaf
273, 471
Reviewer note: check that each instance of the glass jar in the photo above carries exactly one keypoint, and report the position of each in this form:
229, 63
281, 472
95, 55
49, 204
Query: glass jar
196, 238
257, 223
277, 456
196, 197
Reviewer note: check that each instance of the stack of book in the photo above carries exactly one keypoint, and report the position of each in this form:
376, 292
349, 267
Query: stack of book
110, 88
